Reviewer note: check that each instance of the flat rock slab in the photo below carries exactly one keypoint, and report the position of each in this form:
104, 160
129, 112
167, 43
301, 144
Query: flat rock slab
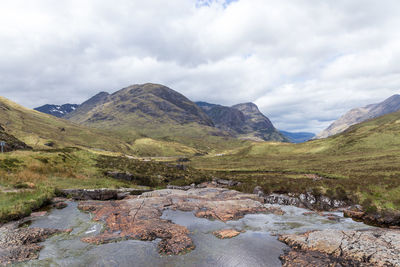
378, 247
138, 217
226, 233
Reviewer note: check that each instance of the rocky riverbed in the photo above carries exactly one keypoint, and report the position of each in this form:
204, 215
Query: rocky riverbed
196, 227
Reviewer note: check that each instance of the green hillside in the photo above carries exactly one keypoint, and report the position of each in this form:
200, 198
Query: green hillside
363, 161
37, 129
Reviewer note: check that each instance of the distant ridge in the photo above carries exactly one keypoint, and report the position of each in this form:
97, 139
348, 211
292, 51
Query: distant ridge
357, 115
57, 110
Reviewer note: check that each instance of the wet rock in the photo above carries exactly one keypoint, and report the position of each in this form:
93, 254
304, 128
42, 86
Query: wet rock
187, 187
376, 247
101, 194
139, 217
224, 182
283, 200
21, 244
275, 210
306, 200
296, 258
60, 205
226, 233
385, 219
38, 214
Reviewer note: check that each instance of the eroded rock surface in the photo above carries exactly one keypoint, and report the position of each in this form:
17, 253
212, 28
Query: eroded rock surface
226, 233
21, 244
376, 247
139, 217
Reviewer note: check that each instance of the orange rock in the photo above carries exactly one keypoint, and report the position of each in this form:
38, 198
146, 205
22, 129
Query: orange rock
227, 233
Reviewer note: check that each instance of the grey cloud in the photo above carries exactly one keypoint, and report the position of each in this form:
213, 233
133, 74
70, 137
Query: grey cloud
303, 62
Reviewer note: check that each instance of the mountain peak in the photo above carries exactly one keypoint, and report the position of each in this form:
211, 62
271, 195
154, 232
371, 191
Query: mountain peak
140, 104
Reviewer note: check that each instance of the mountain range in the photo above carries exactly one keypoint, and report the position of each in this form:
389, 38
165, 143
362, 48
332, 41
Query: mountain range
155, 110
357, 115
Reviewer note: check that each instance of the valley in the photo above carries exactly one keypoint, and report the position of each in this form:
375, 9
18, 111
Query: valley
149, 137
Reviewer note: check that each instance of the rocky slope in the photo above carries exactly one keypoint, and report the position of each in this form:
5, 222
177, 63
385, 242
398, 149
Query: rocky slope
57, 110
357, 115
243, 120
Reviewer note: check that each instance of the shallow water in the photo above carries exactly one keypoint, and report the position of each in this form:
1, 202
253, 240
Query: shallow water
257, 246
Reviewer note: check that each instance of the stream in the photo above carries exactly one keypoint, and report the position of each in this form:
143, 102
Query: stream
256, 246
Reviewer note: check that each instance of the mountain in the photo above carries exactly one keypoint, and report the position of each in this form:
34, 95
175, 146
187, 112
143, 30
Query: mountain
152, 111
298, 137
57, 110
138, 105
357, 115
243, 120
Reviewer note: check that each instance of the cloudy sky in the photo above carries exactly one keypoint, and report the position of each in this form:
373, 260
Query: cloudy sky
304, 62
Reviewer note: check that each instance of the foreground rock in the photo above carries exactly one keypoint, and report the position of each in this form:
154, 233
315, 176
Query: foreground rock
139, 217
377, 247
391, 220
226, 233
21, 244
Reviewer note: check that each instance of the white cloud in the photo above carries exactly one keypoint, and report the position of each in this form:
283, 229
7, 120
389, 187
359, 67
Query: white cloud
303, 62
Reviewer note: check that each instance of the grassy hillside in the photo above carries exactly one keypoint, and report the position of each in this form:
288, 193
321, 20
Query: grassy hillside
37, 129
363, 162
